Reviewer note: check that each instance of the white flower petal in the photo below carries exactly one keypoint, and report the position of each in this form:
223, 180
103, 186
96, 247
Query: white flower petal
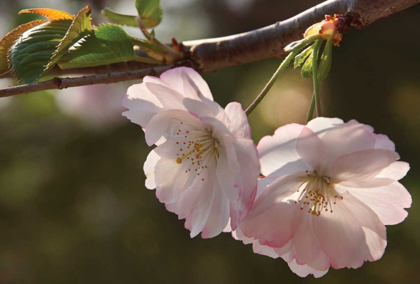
182, 77
276, 192
264, 250
396, 171
344, 140
149, 169
187, 200
238, 120
278, 153
272, 227
342, 237
306, 245
305, 270
321, 125
218, 216
310, 148
199, 108
359, 169
227, 176
387, 202
201, 211
142, 104
383, 142
247, 176
160, 123
166, 174
169, 98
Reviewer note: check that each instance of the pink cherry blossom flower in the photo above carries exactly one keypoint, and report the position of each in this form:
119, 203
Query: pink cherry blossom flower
329, 190
205, 166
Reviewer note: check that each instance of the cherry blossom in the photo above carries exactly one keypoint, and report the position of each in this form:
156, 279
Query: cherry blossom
205, 166
328, 192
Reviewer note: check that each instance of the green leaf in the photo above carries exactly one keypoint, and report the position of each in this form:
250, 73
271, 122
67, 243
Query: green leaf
108, 44
50, 14
8, 40
150, 12
120, 19
326, 59
307, 67
301, 57
79, 28
33, 50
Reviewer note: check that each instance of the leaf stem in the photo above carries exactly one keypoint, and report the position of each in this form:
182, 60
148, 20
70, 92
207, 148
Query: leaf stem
316, 47
279, 70
315, 101
311, 110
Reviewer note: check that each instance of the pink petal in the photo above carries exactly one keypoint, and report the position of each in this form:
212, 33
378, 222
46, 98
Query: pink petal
387, 202
396, 171
167, 172
160, 123
306, 245
169, 98
186, 202
219, 215
342, 233
359, 169
149, 169
310, 148
182, 77
278, 154
276, 192
264, 250
238, 120
305, 270
227, 173
344, 140
272, 227
198, 108
219, 128
248, 175
142, 104
383, 142
200, 214
321, 125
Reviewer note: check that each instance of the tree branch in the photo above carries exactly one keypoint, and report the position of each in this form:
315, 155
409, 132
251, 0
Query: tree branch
211, 54
216, 53
63, 83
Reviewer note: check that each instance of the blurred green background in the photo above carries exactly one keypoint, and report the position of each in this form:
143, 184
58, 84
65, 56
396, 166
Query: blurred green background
73, 206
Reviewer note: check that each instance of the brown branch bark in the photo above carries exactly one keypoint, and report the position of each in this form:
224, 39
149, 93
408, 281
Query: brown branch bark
63, 83
211, 54
216, 53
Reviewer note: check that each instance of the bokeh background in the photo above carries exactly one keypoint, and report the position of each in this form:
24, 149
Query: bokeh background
73, 206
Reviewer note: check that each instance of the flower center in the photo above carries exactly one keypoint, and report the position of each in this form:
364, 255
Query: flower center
317, 194
196, 148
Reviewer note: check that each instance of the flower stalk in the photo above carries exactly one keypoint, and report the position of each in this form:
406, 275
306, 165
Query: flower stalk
316, 100
294, 49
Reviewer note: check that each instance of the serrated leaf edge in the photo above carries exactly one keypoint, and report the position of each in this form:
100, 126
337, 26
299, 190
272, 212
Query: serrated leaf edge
51, 62
38, 11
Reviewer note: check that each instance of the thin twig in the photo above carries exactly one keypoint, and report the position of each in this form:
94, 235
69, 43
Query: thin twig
63, 83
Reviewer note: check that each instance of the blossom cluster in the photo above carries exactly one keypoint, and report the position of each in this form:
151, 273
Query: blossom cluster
317, 195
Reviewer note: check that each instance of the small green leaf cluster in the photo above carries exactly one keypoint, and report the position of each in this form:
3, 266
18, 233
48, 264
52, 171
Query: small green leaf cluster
306, 60
64, 41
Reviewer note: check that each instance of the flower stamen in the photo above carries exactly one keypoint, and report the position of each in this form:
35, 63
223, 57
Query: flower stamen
318, 194
199, 148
